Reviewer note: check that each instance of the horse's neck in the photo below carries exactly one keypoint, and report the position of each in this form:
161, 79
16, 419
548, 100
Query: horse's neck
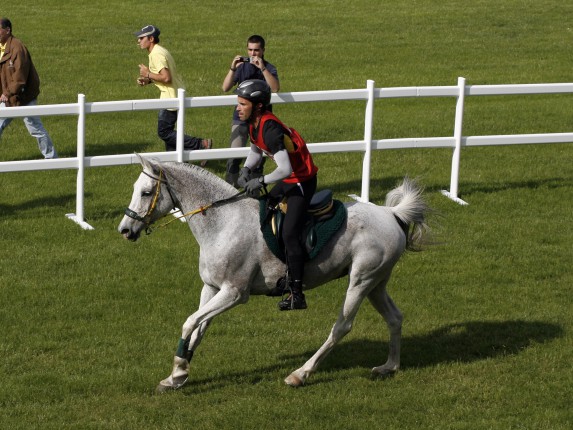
195, 186
217, 225
196, 189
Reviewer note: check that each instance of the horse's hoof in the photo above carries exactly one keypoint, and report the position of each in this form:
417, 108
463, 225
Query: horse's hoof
294, 381
383, 373
171, 384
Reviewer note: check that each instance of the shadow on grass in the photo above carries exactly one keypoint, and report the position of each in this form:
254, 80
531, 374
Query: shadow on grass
490, 188
455, 343
118, 148
36, 205
462, 342
377, 191
380, 187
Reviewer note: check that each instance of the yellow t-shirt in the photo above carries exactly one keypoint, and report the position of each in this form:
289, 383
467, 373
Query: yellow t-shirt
2, 50
160, 58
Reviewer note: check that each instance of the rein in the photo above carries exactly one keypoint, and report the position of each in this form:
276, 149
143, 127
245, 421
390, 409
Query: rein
146, 219
202, 210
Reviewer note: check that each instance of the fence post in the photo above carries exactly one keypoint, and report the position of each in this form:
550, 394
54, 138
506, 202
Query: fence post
458, 127
180, 124
78, 217
366, 162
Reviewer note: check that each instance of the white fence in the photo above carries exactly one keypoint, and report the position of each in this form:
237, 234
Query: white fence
366, 144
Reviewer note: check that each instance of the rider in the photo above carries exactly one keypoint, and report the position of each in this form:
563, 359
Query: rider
295, 176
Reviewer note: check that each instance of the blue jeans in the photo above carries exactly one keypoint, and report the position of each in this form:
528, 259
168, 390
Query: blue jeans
37, 130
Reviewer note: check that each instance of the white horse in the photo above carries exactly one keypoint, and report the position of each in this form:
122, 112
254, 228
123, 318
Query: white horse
235, 262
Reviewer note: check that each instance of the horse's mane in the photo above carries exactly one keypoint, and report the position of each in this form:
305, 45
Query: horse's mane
177, 172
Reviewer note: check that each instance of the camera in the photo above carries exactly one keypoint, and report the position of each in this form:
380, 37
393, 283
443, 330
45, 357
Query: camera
245, 59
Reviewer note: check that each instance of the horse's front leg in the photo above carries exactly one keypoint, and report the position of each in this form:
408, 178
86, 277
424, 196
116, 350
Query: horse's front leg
212, 303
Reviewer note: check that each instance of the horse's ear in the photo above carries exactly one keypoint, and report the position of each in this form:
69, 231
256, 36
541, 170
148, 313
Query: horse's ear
145, 163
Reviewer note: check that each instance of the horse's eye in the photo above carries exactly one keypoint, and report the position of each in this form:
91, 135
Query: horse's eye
145, 193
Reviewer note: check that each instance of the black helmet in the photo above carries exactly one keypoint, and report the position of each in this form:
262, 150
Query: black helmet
255, 90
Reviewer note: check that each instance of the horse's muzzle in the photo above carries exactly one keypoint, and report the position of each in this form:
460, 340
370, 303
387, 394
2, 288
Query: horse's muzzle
127, 230
127, 234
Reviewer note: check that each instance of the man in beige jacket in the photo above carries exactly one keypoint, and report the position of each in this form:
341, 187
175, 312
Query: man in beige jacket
20, 86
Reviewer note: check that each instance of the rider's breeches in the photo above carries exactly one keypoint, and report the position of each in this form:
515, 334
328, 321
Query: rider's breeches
298, 199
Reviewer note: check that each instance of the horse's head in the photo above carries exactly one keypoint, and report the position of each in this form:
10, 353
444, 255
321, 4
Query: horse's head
151, 200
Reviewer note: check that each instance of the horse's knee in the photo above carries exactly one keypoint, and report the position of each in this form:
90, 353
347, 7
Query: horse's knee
189, 327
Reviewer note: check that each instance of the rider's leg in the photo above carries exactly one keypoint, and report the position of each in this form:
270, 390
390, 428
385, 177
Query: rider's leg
297, 201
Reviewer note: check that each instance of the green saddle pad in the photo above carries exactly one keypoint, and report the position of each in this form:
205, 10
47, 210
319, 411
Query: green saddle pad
321, 230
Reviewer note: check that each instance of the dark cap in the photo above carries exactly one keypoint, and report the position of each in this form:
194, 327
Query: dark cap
148, 30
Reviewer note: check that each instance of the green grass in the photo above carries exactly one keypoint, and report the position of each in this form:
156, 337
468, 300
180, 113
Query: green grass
90, 322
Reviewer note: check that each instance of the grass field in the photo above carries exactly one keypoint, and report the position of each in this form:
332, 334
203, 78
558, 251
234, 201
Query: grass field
90, 322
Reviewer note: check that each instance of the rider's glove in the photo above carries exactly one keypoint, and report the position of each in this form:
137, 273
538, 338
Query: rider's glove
253, 187
244, 176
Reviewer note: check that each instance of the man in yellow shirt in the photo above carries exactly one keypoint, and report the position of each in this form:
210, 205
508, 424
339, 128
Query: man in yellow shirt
163, 74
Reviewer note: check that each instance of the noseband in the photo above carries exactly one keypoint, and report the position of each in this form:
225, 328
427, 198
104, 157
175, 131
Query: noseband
146, 219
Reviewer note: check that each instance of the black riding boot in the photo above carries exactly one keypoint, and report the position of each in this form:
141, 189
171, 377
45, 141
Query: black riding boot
295, 300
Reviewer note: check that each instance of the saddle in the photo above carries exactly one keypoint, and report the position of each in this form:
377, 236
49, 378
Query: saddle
325, 216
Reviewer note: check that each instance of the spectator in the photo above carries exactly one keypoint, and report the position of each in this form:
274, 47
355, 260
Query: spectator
163, 73
21, 86
243, 68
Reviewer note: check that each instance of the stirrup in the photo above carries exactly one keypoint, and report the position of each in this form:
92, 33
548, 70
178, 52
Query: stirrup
293, 302
280, 288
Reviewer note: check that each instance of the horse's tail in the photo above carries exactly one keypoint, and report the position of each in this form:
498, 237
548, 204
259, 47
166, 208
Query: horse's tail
410, 208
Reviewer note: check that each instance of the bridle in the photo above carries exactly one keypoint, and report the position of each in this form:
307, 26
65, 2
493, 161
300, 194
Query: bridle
146, 219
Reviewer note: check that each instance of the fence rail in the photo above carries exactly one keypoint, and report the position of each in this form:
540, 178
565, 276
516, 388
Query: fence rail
366, 144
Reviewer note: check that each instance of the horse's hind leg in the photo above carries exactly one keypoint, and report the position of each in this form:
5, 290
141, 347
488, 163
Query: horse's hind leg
393, 317
354, 297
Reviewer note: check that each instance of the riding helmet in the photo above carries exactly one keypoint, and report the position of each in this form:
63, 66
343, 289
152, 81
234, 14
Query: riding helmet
255, 90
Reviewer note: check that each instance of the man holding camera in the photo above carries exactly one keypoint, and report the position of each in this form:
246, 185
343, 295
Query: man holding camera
242, 69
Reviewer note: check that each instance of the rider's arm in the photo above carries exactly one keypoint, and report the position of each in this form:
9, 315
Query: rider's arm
274, 136
283, 170
254, 158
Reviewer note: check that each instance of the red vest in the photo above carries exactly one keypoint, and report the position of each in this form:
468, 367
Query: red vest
301, 162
